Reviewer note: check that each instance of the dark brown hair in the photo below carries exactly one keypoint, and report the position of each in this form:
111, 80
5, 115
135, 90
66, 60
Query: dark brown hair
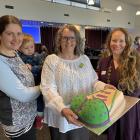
6, 20
129, 63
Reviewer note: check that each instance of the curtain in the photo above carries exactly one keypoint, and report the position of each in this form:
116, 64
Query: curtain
95, 38
48, 37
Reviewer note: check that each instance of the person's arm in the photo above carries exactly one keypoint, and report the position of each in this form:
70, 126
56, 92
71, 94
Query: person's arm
12, 86
48, 85
97, 84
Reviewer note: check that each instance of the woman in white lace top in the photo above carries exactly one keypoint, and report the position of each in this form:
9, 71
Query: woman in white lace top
65, 75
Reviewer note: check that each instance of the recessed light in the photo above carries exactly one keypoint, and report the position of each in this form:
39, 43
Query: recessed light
119, 8
138, 13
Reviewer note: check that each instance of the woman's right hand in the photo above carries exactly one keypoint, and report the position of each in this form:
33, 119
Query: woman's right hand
71, 116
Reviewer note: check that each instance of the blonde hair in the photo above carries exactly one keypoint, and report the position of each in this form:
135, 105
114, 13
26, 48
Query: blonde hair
26, 39
129, 63
79, 49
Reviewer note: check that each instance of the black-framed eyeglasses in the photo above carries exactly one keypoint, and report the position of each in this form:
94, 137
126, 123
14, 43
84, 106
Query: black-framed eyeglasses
66, 38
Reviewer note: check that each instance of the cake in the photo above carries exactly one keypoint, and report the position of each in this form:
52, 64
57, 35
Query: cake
98, 108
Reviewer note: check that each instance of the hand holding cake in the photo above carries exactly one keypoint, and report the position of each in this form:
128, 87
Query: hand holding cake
71, 116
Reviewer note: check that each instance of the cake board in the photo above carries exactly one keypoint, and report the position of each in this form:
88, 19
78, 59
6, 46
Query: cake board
129, 103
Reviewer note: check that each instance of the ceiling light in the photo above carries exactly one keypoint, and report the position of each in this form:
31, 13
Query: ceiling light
138, 13
119, 8
90, 2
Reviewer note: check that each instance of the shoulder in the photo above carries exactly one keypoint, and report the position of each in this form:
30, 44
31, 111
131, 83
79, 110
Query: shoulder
84, 57
2, 61
51, 59
4, 65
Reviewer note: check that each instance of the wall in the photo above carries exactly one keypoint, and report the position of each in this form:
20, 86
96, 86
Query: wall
52, 12
137, 22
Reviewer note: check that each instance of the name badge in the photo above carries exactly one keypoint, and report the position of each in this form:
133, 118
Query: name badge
103, 72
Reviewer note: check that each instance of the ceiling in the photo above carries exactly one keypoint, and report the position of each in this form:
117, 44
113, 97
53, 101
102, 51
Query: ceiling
135, 3
132, 2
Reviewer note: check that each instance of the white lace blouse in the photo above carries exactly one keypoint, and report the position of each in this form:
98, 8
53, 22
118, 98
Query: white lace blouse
61, 80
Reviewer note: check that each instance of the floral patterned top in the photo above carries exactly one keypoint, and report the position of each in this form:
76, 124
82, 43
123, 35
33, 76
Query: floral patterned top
17, 96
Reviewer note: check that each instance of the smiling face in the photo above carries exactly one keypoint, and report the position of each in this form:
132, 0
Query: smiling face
68, 41
117, 43
11, 38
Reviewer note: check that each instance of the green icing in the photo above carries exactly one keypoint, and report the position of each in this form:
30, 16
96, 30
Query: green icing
93, 111
76, 102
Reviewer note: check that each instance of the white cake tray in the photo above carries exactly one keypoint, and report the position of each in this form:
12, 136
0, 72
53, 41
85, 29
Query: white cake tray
130, 102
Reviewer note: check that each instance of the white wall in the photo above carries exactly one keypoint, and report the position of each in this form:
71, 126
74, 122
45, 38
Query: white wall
137, 21
52, 12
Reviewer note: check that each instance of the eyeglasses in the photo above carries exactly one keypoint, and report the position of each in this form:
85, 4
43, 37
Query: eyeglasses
67, 38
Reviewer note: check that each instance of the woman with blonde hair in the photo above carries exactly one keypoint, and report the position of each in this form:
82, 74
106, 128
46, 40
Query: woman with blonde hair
121, 68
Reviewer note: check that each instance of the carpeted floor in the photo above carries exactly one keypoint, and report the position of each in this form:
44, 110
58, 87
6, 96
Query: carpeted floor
44, 134
41, 134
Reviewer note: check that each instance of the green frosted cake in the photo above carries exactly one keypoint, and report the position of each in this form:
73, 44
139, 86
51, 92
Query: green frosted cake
93, 112
97, 109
